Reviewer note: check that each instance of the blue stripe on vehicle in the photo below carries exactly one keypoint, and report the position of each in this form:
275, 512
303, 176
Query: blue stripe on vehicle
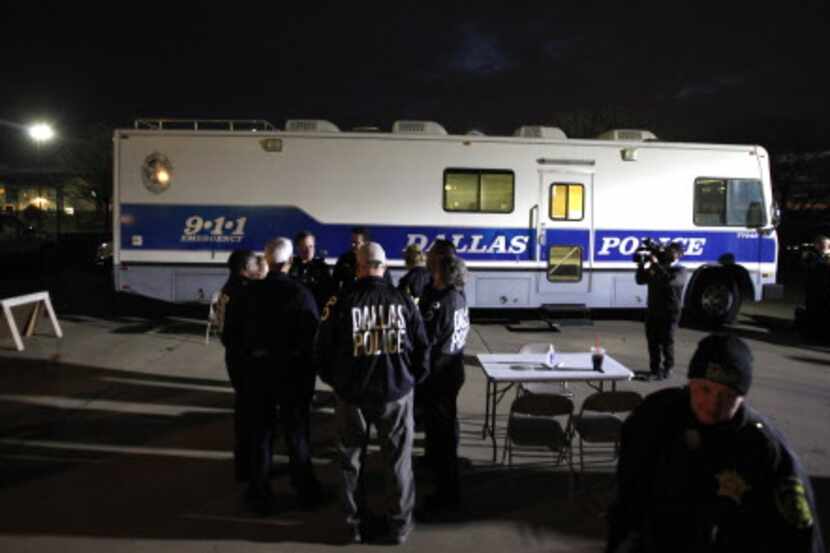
194, 228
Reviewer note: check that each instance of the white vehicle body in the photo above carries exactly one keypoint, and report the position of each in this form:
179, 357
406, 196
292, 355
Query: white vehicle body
237, 189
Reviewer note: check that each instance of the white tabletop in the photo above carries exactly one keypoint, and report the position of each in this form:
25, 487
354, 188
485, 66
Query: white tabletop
530, 367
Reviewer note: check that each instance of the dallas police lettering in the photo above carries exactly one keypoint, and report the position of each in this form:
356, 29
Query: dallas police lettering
461, 326
625, 245
378, 329
475, 243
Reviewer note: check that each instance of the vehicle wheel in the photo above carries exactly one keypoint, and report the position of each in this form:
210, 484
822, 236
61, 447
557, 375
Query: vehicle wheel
716, 300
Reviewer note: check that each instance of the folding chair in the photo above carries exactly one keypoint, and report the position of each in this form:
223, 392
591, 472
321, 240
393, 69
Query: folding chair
535, 422
216, 315
599, 422
542, 387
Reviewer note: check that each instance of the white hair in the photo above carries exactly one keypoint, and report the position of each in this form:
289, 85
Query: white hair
279, 251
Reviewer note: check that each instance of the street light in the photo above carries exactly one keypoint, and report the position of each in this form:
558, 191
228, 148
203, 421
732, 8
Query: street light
41, 132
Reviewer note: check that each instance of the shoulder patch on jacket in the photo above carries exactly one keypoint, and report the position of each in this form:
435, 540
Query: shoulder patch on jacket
791, 502
327, 308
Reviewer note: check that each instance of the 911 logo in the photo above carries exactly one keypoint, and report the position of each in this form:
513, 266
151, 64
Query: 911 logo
220, 230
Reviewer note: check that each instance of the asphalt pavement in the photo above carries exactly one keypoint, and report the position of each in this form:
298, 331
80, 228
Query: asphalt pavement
117, 437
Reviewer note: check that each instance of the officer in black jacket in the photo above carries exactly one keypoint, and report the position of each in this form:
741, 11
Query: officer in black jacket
310, 270
345, 270
665, 278
417, 278
231, 312
700, 471
372, 349
279, 334
813, 319
447, 320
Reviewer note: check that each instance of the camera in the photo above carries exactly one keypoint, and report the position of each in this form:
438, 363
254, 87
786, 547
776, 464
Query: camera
649, 248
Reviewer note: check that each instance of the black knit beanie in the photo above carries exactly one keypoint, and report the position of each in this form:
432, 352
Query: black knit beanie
723, 359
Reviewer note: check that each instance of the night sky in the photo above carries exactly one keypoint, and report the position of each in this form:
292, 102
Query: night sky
755, 74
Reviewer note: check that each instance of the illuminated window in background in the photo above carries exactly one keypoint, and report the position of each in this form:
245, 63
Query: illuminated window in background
729, 202
567, 202
565, 264
478, 190
461, 191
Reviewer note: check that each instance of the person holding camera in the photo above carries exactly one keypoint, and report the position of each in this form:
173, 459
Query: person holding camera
658, 268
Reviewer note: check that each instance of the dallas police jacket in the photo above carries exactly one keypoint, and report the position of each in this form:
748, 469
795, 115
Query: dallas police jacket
372, 346
683, 486
415, 282
314, 275
281, 322
665, 288
447, 322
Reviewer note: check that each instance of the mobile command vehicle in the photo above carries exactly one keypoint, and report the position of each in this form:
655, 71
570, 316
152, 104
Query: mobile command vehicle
540, 219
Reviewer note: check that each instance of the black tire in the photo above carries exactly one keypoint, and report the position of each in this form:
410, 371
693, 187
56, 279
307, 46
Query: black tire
715, 300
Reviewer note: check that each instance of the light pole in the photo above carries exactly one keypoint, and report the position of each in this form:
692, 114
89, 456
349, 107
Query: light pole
42, 133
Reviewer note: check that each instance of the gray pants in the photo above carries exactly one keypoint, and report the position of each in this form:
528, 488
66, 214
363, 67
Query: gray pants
395, 427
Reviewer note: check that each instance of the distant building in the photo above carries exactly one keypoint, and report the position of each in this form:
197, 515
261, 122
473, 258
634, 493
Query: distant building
51, 200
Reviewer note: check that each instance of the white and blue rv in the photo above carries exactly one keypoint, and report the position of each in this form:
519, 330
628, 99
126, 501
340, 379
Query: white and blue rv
540, 218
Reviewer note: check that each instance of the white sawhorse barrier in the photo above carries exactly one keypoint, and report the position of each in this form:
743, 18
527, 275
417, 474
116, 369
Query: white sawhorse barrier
40, 299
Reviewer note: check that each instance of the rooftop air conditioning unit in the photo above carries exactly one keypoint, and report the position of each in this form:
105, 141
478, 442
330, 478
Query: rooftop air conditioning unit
538, 131
629, 135
310, 125
418, 127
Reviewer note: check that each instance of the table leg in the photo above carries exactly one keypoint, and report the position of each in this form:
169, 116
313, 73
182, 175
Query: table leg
493, 421
485, 427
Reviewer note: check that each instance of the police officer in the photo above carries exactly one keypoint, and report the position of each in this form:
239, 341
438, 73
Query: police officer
310, 270
417, 277
345, 270
665, 278
279, 334
230, 314
372, 349
816, 290
447, 321
700, 470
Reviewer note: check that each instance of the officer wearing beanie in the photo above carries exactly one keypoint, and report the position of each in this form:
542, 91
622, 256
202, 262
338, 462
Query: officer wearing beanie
700, 470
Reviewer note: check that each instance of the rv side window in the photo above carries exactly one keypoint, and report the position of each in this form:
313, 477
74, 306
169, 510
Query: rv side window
567, 201
478, 191
729, 202
565, 264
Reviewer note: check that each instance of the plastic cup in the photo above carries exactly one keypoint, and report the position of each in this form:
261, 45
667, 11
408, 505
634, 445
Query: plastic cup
597, 357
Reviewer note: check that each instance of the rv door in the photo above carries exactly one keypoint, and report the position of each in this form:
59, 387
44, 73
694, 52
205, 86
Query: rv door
564, 236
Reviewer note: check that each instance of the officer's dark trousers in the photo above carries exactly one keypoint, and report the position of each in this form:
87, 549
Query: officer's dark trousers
439, 396
241, 439
660, 337
259, 399
294, 399
266, 390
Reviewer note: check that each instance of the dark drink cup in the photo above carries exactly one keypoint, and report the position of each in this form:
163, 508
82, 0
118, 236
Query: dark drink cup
597, 356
